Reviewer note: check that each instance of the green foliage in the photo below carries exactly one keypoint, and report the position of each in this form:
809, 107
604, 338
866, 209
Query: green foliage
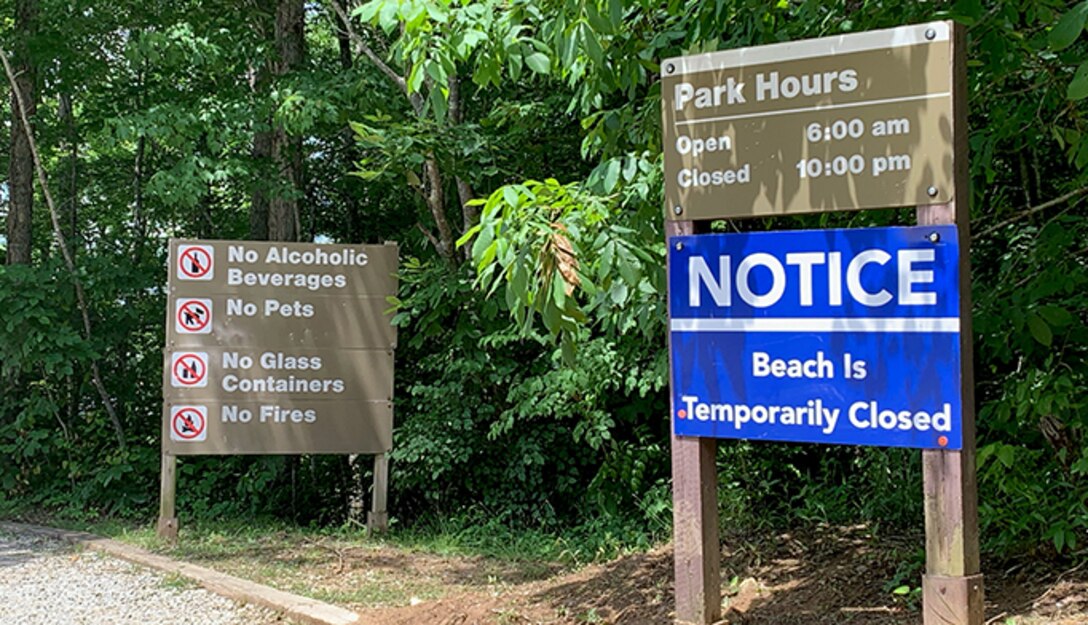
525, 434
531, 384
565, 254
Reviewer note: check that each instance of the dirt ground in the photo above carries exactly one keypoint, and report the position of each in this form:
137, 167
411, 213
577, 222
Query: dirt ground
834, 577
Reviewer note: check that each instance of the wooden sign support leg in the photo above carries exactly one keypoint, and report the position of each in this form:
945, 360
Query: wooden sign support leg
952, 586
168, 520
378, 519
696, 545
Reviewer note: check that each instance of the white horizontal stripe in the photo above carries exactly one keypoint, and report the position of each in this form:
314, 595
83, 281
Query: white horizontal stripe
817, 107
826, 46
818, 324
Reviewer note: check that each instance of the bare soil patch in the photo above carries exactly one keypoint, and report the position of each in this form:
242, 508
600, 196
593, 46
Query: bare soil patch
835, 576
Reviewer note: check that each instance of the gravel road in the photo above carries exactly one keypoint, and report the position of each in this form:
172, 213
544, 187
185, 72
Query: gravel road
46, 581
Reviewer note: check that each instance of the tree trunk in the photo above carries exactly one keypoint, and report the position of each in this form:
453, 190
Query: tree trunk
70, 206
70, 225
469, 214
350, 200
260, 78
283, 210
21, 165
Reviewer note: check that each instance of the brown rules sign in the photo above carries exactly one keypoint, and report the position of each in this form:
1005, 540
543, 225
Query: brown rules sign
278, 348
848, 122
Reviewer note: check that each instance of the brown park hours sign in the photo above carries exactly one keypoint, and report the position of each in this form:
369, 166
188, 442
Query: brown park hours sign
278, 348
848, 122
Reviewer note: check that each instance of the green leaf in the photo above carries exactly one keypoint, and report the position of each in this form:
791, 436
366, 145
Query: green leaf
1078, 87
538, 62
1040, 330
611, 175
901, 590
630, 168
438, 13
519, 280
415, 78
559, 290
483, 241
596, 20
592, 44
1056, 315
388, 18
615, 12
1006, 454
1068, 28
487, 256
618, 292
1059, 540
510, 195
467, 236
436, 72
568, 349
367, 11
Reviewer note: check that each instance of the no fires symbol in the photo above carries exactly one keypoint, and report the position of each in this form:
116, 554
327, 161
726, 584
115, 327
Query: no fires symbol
193, 316
188, 423
189, 370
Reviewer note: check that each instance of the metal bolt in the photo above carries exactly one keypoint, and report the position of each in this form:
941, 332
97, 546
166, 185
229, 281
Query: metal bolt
679, 246
931, 34
670, 68
677, 209
934, 237
932, 191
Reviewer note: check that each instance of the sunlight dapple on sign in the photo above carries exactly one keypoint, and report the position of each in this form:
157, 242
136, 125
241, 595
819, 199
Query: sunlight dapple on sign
278, 348
858, 337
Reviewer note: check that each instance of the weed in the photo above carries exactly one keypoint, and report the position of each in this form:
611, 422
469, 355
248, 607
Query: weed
175, 581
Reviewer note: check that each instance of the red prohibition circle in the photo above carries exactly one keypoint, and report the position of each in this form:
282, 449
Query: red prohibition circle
198, 258
180, 365
201, 314
193, 419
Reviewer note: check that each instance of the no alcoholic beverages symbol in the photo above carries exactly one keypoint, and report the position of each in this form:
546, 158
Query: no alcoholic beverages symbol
189, 370
194, 316
189, 423
195, 262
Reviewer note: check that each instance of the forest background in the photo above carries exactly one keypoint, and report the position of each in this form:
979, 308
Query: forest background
513, 149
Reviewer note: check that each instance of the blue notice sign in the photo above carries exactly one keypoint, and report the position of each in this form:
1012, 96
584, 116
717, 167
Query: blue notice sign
821, 336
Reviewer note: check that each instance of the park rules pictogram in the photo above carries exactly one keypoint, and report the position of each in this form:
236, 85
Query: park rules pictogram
193, 316
189, 423
189, 370
288, 347
195, 262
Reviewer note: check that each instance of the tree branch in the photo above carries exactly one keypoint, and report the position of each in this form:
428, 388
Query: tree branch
366, 49
436, 202
81, 296
427, 233
1028, 212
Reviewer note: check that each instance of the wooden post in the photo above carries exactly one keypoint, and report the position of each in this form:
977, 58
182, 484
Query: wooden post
696, 546
168, 520
952, 591
378, 519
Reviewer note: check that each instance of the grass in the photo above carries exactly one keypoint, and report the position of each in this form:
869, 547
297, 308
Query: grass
345, 566
596, 540
174, 581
